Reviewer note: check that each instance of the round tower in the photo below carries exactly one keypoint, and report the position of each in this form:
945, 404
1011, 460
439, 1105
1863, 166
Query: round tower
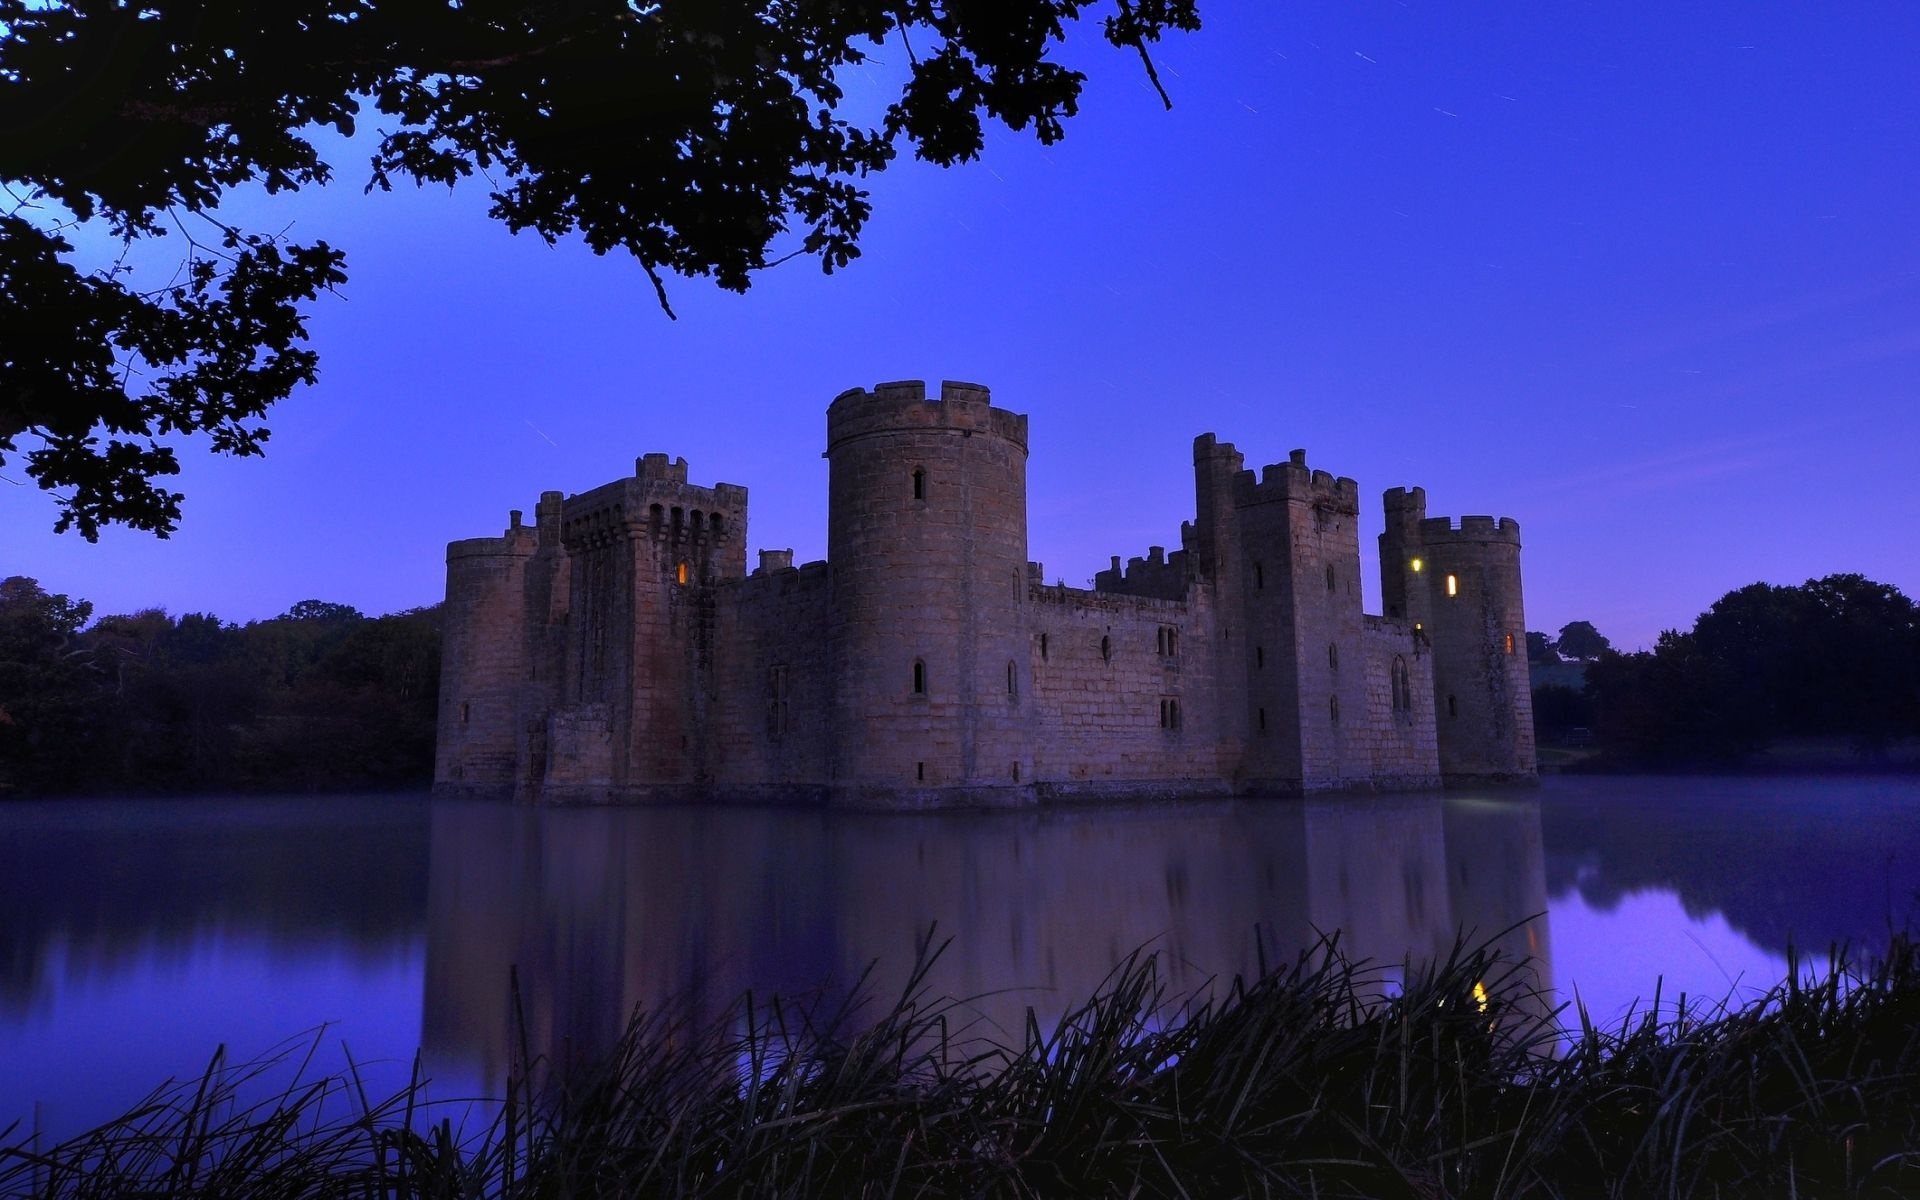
483, 660
1478, 631
927, 545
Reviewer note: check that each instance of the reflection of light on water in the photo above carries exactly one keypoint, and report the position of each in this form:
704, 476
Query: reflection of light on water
1613, 960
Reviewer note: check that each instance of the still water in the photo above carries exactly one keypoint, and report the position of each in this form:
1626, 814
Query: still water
137, 936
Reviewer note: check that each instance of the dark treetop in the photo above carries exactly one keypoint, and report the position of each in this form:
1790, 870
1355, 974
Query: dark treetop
701, 137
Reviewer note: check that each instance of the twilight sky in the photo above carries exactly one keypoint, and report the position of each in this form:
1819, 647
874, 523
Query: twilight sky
1644, 277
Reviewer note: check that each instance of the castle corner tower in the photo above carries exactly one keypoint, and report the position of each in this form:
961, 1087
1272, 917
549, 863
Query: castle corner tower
927, 544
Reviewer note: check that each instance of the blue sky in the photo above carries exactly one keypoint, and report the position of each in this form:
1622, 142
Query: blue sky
1646, 278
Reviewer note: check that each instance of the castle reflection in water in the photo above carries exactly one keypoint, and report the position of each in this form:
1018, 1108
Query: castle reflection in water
596, 912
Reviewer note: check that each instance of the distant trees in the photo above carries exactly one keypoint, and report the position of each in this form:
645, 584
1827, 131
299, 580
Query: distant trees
46, 682
1835, 658
319, 697
1580, 641
1540, 648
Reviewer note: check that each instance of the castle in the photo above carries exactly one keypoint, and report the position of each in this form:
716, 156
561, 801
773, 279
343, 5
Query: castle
618, 650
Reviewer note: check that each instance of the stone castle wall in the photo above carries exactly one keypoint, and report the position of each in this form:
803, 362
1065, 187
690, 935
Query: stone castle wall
1118, 695
620, 651
775, 703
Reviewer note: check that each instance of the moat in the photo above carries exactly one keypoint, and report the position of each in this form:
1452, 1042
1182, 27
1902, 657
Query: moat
136, 936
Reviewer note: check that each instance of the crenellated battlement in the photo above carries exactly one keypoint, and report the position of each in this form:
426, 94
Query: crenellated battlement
1207, 447
657, 467
1405, 503
1293, 480
519, 542
1157, 574
964, 407
656, 503
1440, 530
518, 538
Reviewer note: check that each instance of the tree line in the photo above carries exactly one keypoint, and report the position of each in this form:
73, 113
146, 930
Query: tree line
1835, 659
320, 697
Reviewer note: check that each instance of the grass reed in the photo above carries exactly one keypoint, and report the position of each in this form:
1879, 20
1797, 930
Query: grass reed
1307, 1080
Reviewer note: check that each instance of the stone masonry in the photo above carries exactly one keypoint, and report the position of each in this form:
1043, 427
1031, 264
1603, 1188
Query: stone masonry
619, 651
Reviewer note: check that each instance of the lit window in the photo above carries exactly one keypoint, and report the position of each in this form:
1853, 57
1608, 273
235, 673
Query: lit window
1453, 585
680, 575
1417, 565
1509, 644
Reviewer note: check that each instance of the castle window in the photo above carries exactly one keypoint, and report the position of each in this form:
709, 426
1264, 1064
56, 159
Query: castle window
1043, 647
920, 772
1333, 655
1453, 585
715, 523
465, 711
696, 518
776, 701
1016, 772
1509, 644
1259, 576
919, 677
1259, 657
1453, 707
681, 573
1013, 681
1262, 716
1333, 708
1167, 640
1017, 589
656, 512
919, 483
1330, 577
1417, 565
1106, 649
1169, 713
679, 515
1402, 686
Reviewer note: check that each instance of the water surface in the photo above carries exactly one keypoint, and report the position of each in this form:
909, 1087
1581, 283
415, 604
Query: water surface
138, 936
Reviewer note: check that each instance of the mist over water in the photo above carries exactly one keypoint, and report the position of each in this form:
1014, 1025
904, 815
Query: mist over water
137, 936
